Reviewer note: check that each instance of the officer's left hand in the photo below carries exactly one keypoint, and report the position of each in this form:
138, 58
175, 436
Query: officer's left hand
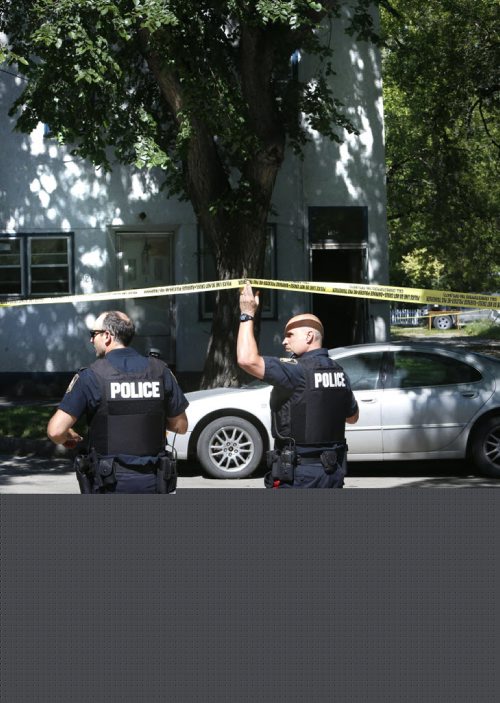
248, 301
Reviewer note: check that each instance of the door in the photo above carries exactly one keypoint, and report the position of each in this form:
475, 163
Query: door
344, 319
428, 400
144, 260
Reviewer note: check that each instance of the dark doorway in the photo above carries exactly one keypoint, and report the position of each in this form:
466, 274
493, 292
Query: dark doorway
343, 318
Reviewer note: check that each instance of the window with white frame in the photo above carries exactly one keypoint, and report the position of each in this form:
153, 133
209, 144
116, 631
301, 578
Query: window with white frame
208, 272
34, 265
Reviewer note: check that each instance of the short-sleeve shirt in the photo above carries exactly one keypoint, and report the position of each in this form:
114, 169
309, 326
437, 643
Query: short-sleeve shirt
83, 395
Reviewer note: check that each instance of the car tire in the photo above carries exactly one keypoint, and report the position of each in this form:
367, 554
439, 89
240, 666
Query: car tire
442, 322
230, 447
485, 447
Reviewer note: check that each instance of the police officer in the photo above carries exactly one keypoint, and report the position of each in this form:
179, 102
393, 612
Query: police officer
129, 400
310, 402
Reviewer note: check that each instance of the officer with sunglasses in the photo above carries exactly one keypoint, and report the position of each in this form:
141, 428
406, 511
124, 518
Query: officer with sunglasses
129, 401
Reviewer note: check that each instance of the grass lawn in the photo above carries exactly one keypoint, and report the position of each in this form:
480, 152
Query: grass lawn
28, 421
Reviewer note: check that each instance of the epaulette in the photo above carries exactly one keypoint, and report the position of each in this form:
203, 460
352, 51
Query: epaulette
75, 379
72, 382
288, 360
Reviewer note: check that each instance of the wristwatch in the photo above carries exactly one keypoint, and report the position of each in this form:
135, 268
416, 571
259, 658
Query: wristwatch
244, 317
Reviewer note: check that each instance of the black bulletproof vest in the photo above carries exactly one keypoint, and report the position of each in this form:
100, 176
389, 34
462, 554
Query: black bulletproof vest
131, 417
315, 413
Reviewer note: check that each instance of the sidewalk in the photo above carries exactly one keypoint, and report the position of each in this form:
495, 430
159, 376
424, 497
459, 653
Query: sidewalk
34, 474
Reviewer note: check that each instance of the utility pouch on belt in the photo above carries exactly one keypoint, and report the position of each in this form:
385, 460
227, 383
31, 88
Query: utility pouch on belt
102, 472
333, 459
282, 463
105, 474
166, 473
81, 465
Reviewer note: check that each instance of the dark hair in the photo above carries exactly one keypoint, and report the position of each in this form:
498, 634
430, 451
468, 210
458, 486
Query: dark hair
120, 326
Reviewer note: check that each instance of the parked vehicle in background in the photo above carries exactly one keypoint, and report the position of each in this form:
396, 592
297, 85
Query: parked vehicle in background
439, 321
417, 401
461, 316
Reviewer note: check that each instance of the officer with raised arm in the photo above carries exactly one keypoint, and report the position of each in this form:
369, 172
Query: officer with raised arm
130, 401
311, 401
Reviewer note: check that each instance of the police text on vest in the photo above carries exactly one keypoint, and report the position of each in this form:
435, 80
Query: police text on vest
329, 379
135, 389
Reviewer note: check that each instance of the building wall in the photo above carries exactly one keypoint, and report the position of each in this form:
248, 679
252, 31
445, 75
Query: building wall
44, 189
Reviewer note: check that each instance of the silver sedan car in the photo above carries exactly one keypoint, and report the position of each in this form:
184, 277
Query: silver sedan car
416, 400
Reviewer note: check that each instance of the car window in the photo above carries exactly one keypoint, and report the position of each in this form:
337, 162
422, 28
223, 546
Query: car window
413, 369
363, 370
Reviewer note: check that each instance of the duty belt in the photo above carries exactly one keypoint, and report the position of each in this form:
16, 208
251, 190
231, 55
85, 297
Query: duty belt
340, 447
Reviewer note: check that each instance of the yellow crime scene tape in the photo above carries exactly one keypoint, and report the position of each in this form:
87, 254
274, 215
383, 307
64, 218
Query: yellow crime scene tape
349, 290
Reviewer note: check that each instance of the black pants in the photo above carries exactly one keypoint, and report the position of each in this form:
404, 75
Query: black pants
310, 473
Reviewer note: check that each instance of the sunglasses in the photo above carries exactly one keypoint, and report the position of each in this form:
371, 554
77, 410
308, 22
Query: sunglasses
94, 332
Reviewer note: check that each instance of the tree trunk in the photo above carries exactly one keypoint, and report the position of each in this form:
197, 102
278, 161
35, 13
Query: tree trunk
241, 257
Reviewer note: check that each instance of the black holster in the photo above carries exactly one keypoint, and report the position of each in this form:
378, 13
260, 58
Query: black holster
81, 465
166, 472
333, 459
92, 472
282, 463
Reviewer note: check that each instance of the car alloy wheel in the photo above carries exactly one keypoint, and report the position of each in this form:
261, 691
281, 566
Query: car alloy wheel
230, 447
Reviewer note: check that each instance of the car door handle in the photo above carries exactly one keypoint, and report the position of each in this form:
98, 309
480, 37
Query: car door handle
469, 394
368, 400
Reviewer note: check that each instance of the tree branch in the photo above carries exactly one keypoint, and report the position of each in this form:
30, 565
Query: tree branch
205, 177
390, 9
485, 125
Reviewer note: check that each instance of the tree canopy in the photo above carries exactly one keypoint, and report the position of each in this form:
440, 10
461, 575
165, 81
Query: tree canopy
441, 100
200, 89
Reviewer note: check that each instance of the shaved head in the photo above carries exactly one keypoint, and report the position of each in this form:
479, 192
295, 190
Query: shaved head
305, 320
